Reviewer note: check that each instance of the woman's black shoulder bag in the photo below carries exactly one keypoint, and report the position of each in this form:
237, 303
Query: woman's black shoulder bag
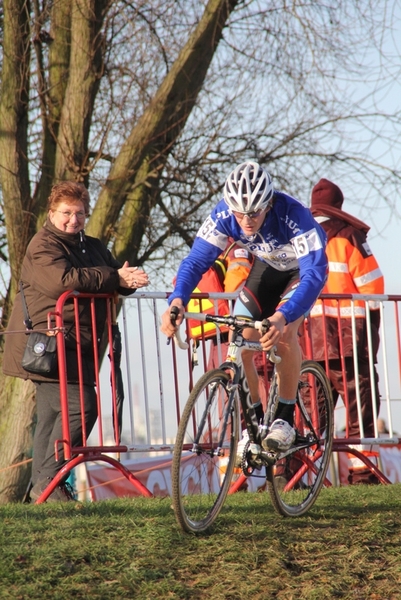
40, 355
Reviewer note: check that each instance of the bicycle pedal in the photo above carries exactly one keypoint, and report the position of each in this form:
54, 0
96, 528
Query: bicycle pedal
269, 458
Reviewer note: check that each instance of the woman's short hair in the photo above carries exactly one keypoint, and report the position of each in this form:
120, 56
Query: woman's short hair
70, 192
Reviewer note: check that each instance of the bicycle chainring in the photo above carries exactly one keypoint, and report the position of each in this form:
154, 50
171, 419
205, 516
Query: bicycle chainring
247, 469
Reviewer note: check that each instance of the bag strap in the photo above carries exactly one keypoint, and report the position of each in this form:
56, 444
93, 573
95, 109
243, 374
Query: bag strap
221, 263
228, 250
27, 318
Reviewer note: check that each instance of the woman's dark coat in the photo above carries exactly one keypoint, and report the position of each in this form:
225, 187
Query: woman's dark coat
55, 262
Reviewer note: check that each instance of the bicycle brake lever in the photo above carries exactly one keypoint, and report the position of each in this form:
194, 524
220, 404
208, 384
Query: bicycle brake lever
174, 312
264, 328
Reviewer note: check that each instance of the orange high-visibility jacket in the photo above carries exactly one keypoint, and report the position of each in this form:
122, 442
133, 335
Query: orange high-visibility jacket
352, 270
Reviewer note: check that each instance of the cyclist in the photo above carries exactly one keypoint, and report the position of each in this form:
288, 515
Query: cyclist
290, 264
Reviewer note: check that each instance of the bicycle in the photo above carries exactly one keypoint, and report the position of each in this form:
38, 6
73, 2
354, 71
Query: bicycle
205, 451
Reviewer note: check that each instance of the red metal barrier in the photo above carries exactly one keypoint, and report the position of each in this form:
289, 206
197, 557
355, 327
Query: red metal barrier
365, 449
172, 377
77, 455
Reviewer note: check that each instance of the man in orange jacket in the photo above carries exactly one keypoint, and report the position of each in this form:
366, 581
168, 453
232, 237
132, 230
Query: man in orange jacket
352, 270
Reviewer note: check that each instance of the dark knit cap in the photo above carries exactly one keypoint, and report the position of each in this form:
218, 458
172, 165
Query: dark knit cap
327, 193
327, 200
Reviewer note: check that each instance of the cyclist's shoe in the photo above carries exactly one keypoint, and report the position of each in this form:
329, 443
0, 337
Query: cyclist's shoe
280, 437
240, 448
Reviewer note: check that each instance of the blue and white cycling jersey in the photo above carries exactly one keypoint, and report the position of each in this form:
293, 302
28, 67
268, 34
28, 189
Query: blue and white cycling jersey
289, 238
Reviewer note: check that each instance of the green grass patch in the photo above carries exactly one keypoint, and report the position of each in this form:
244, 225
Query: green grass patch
347, 547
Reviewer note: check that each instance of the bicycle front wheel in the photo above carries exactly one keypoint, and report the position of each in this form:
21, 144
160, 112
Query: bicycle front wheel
204, 452
295, 481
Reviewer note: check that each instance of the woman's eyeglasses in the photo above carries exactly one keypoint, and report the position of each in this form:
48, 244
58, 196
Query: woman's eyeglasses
67, 214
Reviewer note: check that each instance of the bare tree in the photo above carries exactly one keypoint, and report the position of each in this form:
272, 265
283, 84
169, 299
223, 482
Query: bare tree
151, 103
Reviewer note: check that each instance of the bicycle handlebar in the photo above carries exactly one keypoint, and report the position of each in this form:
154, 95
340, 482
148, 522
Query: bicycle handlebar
179, 341
239, 323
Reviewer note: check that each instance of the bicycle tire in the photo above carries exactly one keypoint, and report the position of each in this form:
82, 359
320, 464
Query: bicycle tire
295, 481
201, 473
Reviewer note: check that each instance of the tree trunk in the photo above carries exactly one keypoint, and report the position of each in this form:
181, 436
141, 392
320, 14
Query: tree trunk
152, 138
14, 176
52, 95
17, 408
85, 71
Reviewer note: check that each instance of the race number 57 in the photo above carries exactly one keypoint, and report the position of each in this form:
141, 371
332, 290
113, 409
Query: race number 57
206, 230
301, 247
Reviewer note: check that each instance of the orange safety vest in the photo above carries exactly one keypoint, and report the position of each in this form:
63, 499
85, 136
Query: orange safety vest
212, 281
352, 270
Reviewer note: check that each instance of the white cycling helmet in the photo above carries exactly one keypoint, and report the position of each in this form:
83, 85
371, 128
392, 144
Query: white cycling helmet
248, 188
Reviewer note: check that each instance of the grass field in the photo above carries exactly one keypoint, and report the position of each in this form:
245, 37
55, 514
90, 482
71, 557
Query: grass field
347, 547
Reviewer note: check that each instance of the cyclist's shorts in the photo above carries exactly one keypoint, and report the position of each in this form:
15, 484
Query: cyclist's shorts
264, 290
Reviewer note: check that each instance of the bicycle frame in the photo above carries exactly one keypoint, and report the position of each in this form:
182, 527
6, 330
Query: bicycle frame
233, 362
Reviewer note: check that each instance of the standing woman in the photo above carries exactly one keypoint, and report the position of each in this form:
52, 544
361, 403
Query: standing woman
61, 257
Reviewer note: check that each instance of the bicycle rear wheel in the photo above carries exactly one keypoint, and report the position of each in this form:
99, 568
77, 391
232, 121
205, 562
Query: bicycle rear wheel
295, 481
205, 452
